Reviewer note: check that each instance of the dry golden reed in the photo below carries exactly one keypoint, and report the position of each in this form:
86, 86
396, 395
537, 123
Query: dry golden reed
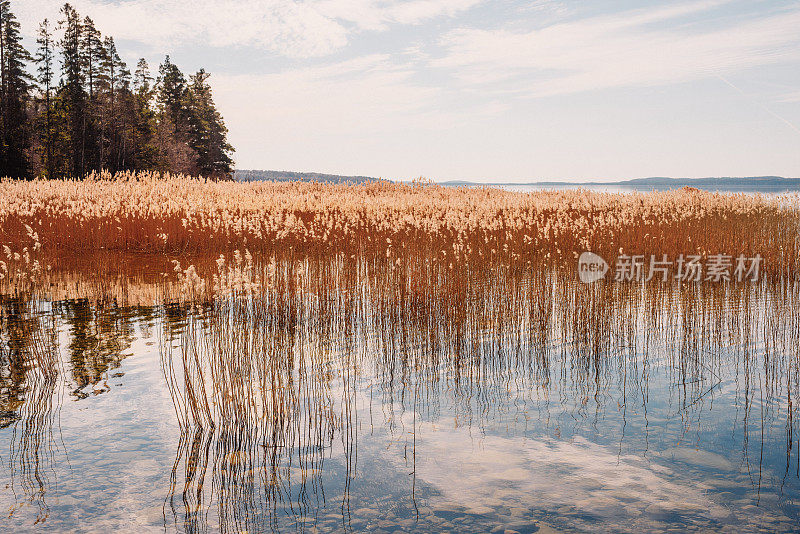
270, 381
150, 213
301, 292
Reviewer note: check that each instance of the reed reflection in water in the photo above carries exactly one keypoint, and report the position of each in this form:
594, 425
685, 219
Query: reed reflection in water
355, 395
628, 395
29, 373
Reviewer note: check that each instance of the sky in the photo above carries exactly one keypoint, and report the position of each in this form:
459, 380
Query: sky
478, 90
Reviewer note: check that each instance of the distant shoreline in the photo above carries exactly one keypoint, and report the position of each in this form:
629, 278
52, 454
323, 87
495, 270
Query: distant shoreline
247, 175
747, 184
750, 184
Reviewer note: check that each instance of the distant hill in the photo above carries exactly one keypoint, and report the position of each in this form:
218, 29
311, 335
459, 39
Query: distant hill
244, 175
748, 184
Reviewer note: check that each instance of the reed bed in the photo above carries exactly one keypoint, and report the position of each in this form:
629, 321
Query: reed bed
150, 213
281, 304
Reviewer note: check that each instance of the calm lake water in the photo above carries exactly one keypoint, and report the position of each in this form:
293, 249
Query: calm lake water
363, 425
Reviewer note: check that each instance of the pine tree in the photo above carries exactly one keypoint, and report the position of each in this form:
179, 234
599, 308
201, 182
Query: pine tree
15, 85
175, 154
207, 131
93, 54
118, 107
72, 94
145, 152
45, 125
172, 92
142, 80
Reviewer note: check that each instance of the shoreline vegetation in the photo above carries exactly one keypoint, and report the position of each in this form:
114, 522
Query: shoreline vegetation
72, 106
277, 302
740, 184
206, 237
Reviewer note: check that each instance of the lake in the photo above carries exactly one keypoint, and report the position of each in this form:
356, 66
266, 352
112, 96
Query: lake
527, 404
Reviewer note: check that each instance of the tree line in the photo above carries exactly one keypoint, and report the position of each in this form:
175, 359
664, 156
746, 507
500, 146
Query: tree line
73, 106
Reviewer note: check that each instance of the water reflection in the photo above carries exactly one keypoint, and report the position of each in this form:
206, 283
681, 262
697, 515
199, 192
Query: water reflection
98, 338
344, 400
29, 370
259, 404
621, 379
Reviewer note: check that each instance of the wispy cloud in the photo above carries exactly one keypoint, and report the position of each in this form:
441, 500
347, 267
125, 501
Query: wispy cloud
790, 98
378, 15
359, 96
291, 28
634, 48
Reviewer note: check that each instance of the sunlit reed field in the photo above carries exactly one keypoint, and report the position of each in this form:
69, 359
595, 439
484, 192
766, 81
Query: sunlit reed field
151, 214
303, 330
